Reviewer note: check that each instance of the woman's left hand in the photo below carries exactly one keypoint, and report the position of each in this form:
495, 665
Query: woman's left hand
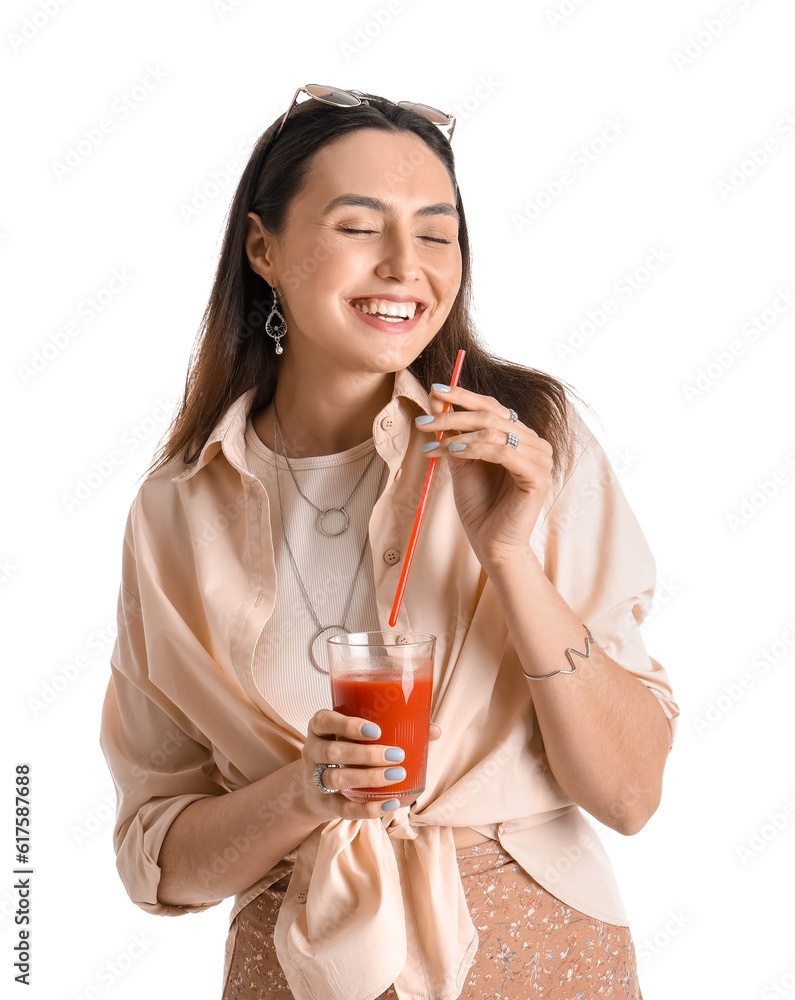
499, 490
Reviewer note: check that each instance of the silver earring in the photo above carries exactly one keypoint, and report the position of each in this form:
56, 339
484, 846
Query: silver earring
275, 325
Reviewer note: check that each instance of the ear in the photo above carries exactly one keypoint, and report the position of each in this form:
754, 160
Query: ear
260, 245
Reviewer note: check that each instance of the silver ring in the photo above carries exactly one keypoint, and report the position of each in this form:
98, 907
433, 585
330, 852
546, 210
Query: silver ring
513, 441
318, 776
514, 416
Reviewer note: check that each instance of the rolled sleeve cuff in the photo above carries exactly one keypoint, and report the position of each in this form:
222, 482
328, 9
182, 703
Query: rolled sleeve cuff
137, 856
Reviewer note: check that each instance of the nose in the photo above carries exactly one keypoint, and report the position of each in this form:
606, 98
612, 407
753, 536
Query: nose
399, 257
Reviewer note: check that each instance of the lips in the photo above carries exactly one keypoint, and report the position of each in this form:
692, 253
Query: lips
389, 324
390, 305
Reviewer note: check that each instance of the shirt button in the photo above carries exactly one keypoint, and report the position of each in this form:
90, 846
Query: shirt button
387, 423
301, 897
391, 556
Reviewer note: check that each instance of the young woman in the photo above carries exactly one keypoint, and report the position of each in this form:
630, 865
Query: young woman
277, 513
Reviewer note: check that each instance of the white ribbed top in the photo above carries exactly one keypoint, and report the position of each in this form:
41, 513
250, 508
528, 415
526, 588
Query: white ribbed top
282, 669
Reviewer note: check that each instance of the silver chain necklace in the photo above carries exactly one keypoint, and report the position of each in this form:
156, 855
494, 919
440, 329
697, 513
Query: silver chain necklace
317, 647
328, 510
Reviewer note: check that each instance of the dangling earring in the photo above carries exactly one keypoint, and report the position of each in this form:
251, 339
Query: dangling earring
275, 325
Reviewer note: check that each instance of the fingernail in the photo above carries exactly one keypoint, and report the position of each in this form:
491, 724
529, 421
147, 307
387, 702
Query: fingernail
456, 447
430, 446
371, 730
425, 419
395, 753
395, 774
439, 387
390, 804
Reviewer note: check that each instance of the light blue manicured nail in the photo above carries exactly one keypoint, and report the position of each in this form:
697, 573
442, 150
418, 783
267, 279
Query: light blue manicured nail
390, 804
430, 446
395, 754
371, 729
439, 387
426, 419
456, 447
395, 774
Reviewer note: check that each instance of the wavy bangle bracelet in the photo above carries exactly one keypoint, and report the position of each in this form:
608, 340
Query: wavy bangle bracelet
589, 639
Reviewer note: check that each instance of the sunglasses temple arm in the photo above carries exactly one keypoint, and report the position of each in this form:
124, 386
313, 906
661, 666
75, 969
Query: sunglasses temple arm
287, 112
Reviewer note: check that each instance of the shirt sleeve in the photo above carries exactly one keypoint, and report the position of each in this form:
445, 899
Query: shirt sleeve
159, 761
595, 553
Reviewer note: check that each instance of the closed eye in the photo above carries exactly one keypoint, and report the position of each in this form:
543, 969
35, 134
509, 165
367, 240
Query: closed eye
431, 239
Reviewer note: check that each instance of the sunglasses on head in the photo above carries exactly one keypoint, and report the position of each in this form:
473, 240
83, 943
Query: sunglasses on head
352, 98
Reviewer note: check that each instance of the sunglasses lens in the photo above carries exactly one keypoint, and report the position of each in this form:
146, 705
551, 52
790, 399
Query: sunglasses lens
432, 114
329, 95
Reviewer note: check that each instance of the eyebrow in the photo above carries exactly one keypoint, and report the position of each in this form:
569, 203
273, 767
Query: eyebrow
363, 201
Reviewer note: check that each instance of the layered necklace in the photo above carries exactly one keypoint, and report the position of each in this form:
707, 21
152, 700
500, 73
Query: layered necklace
336, 521
317, 646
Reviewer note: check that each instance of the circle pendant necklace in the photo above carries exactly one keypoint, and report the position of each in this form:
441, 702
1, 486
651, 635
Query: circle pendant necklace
333, 520
318, 652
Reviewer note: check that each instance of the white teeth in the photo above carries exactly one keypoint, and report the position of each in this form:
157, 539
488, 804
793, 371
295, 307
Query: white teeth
384, 307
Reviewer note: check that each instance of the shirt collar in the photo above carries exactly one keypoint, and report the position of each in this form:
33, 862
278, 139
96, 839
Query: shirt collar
228, 435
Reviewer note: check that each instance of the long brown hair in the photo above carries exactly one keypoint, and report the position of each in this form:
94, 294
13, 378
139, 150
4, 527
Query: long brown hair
232, 353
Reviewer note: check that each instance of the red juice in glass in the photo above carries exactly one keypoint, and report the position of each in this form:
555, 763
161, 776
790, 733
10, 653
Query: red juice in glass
387, 682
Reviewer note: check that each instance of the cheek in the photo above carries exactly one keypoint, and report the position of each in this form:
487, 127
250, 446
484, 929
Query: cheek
454, 281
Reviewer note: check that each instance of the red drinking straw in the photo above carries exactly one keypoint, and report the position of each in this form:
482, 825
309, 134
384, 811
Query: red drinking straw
459, 361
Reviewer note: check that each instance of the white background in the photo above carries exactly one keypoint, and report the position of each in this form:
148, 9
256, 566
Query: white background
708, 881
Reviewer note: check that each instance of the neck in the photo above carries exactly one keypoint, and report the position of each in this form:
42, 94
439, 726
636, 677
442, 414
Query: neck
326, 415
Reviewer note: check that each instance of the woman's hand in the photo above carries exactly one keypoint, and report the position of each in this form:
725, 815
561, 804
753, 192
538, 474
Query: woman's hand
364, 765
499, 490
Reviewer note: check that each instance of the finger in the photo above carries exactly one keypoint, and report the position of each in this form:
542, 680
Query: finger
470, 420
329, 723
340, 778
530, 464
356, 754
347, 809
469, 400
532, 460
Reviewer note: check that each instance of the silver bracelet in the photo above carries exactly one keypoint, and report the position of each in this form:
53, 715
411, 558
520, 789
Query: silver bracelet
585, 655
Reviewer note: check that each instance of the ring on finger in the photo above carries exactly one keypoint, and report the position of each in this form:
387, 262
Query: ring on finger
514, 416
513, 441
318, 777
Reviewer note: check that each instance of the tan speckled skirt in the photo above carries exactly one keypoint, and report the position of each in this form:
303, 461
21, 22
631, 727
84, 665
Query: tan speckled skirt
531, 944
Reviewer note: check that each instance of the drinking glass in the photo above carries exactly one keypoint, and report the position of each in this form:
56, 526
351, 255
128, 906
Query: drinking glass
387, 678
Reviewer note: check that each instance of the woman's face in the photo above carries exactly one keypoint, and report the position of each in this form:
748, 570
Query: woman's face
375, 219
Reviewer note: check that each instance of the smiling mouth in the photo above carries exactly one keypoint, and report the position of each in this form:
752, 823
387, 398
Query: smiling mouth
390, 312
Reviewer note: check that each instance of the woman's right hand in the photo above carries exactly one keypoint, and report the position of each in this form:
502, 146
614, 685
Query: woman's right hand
365, 765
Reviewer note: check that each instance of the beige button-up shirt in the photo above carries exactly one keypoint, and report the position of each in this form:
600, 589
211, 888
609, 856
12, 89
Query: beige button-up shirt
183, 718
